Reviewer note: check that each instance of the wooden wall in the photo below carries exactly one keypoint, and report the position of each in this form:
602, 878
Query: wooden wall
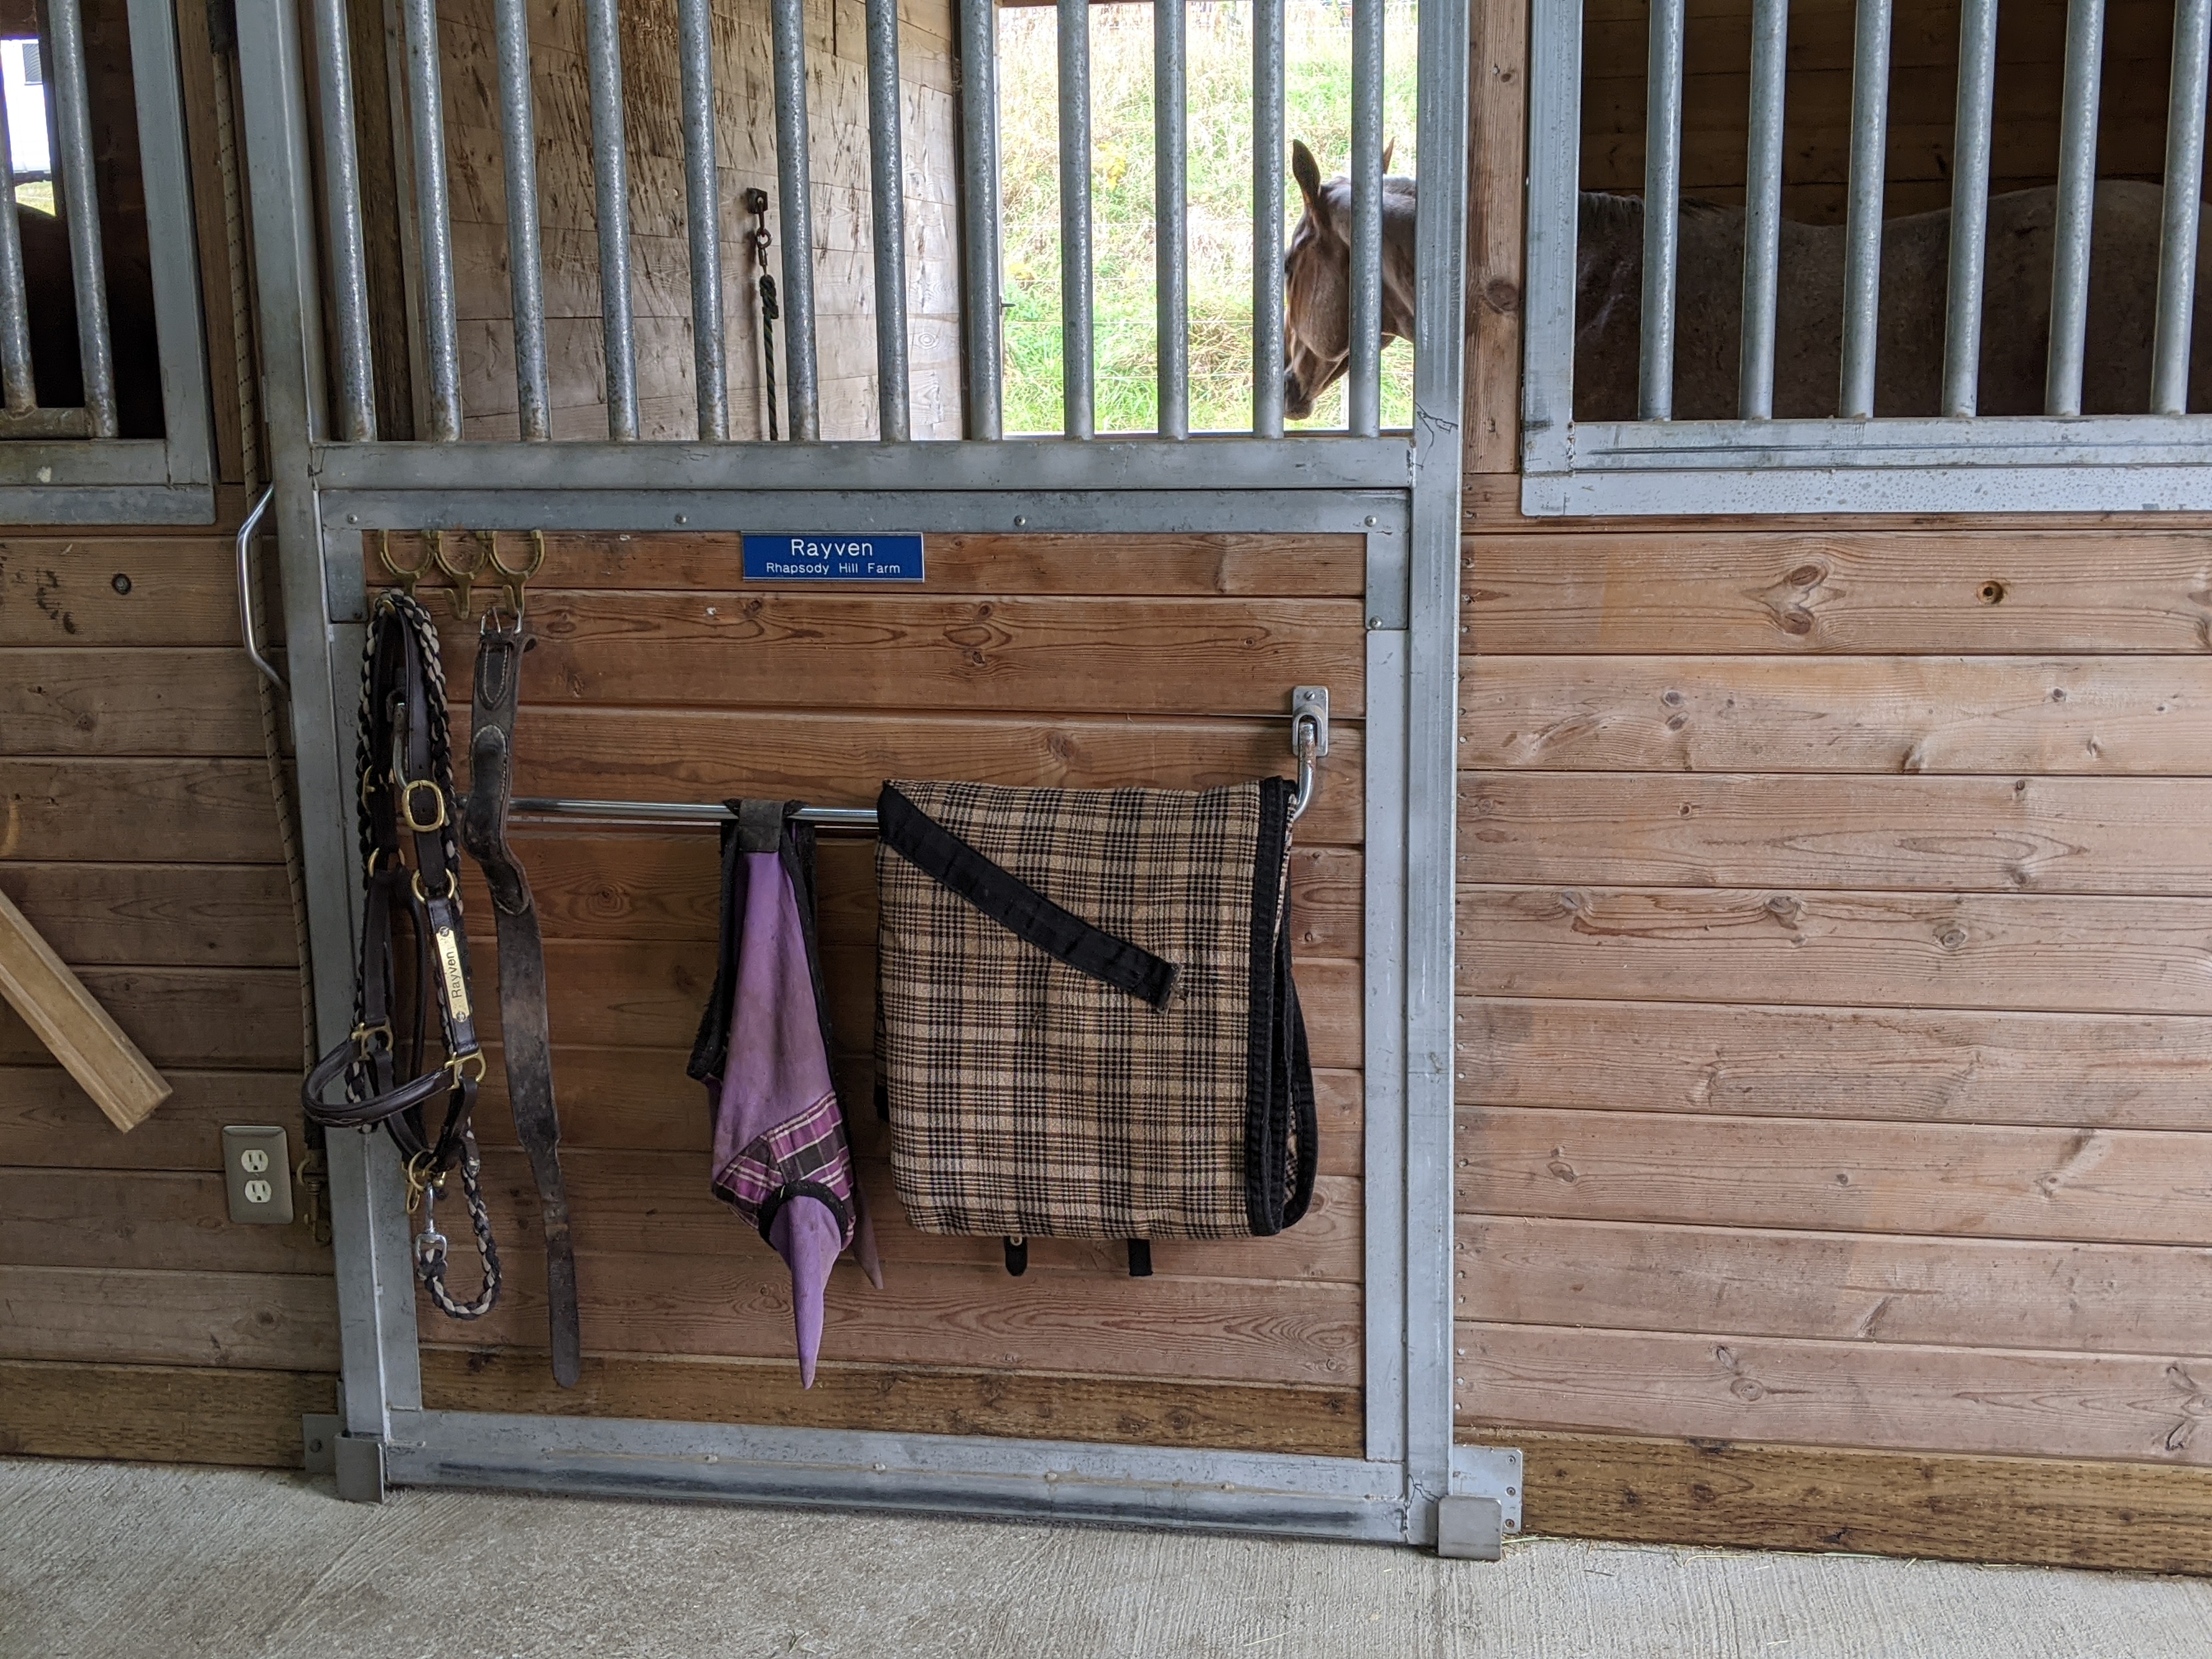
1087, 661
1834, 960
139, 834
660, 261
1924, 95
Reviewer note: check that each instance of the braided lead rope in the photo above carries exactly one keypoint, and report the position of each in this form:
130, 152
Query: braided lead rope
430, 1243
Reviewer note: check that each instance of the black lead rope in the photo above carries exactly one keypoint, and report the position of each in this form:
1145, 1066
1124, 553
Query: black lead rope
757, 204
410, 864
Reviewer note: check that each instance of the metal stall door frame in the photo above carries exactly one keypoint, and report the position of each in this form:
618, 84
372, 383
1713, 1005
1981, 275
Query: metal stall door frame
1403, 496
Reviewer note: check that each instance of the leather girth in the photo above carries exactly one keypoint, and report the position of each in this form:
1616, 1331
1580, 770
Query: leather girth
524, 1037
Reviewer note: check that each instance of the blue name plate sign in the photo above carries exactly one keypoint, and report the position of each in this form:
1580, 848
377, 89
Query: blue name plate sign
833, 559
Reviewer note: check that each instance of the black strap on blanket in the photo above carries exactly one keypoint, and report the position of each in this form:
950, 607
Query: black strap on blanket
1018, 907
525, 1040
1282, 1128
404, 786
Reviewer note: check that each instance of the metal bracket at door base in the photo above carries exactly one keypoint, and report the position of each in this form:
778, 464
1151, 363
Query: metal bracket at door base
1480, 1475
1470, 1528
359, 1468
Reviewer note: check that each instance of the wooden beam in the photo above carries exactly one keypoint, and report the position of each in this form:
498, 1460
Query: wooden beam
53, 1001
2036, 1510
159, 1414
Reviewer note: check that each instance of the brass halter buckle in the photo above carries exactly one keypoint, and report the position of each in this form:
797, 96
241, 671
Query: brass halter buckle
407, 805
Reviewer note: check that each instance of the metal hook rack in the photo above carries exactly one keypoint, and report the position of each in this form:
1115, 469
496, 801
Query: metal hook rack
1309, 743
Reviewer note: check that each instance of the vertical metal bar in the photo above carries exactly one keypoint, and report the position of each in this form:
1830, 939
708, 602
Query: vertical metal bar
802, 384
440, 310
1862, 218
610, 192
15, 302
1440, 265
887, 175
978, 214
1663, 210
80, 204
2077, 198
349, 253
518, 127
1762, 209
695, 29
1079, 419
1363, 393
172, 243
2184, 186
1970, 204
1555, 136
1267, 146
1172, 207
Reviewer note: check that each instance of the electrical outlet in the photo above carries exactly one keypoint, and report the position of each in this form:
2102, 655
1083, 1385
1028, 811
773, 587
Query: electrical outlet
256, 1173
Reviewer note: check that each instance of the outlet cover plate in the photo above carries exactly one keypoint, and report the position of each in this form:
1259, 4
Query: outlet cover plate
256, 1173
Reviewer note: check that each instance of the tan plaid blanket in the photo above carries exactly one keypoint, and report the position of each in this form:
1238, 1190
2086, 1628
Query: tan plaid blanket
1085, 1022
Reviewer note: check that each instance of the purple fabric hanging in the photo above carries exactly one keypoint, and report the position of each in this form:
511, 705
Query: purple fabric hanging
781, 1156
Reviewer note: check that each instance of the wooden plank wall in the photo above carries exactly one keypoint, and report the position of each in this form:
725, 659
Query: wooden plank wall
138, 834
659, 262
1834, 959
1923, 90
661, 674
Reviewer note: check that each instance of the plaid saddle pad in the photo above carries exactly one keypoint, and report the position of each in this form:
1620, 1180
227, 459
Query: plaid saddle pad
1085, 1022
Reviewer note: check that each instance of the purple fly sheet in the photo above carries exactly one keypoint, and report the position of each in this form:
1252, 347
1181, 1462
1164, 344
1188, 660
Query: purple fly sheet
781, 1156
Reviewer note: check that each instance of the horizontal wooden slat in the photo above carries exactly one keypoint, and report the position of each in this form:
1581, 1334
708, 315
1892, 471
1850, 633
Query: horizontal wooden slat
136, 1218
177, 590
650, 994
1937, 1065
283, 1321
242, 1017
641, 1100
2042, 1511
661, 1204
159, 1414
905, 1400
1828, 1394
1992, 835
911, 652
842, 760
1757, 590
733, 1304
47, 1122
2109, 716
1843, 1287
2095, 955
1199, 565
158, 914
134, 701
197, 812
1971, 1180
630, 885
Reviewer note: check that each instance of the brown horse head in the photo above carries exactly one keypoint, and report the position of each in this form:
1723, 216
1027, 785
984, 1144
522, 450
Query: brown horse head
1317, 279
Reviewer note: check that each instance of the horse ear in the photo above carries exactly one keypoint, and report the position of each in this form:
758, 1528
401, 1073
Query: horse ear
1388, 150
1307, 172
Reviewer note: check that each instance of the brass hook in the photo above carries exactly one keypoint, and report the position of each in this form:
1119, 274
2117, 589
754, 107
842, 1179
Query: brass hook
404, 574
462, 576
512, 579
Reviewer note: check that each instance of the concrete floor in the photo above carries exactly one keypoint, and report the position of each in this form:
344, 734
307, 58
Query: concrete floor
124, 1560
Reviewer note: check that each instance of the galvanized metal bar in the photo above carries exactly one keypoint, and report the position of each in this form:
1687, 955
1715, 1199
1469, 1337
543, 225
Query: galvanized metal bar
1555, 136
434, 221
695, 45
80, 204
1762, 209
1171, 208
1268, 142
1080, 414
979, 216
1970, 204
1862, 218
793, 175
887, 199
1663, 210
173, 246
610, 194
2077, 199
342, 224
1364, 376
21, 393
525, 264
2184, 188
1383, 1058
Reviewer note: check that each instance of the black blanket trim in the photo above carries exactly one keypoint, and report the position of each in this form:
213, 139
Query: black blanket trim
1280, 1107
1018, 907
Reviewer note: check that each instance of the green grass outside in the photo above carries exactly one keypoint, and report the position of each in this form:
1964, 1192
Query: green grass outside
1318, 83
